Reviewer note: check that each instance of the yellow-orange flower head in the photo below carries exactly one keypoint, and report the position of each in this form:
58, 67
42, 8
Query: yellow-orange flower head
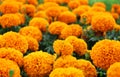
12, 54
41, 23
67, 17
62, 47
76, 30
9, 7
22, 17
113, 70
79, 11
33, 2
53, 11
79, 45
100, 4
28, 9
31, 31
56, 27
6, 66
15, 40
103, 22
88, 69
83, 2
98, 9
105, 52
50, 1
38, 63
67, 72
32, 44
73, 4
7, 20
65, 62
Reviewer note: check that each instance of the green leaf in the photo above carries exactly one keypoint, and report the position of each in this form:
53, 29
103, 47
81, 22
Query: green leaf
11, 73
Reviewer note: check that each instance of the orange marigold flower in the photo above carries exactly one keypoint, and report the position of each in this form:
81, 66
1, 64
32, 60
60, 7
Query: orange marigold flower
41, 23
98, 9
115, 15
33, 2
15, 40
103, 22
117, 27
65, 62
118, 10
88, 69
63, 1
67, 31
76, 29
47, 5
86, 17
9, 7
113, 70
28, 9
56, 27
99, 4
67, 17
38, 63
79, 11
86, 7
31, 31
32, 43
63, 8
12, 54
83, 2
6, 66
104, 53
79, 45
73, 4
7, 20
67, 72
53, 11
22, 17
115, 6
62, 47
50, 1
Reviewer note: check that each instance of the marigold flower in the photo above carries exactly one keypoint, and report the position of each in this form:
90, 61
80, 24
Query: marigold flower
32, 43
98, 9
38, 63
41, 23
76, 29
53, 11
6, 20
67, 72
88, 69
83, 2
100, 4
50, 1
73, 4
79, 11
113, 70
33, 2
47, 5
63, 1
62, 47
67, 17
86, 17
79, 45
115, 15
103, 22
6, 66
9, 7
67, 31
56, 27
28, 9
117, 27
15, 40
65, 62
118, 10
63, 8
22, 17
12, 54
86, 7
31, 31
104, 53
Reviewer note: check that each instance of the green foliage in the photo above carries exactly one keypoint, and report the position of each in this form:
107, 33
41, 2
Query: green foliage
101, 72
11, 73
40, 1
107, 2
47, 43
